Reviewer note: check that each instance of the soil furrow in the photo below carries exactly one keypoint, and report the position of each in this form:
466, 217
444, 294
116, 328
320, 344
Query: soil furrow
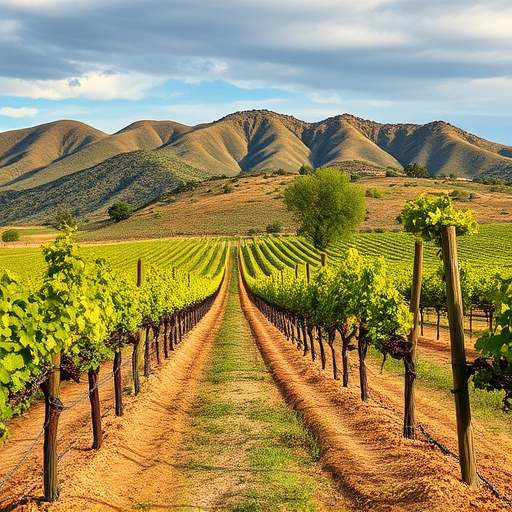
361, 442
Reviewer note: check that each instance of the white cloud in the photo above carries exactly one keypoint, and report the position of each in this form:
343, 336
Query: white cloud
18, 112
98, 85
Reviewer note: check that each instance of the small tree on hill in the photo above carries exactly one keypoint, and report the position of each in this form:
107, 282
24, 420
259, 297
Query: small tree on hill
64, 219
326, 205
415, 170
10, 235
120, 211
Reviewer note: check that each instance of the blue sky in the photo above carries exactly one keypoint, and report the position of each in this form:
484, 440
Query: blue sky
109, 63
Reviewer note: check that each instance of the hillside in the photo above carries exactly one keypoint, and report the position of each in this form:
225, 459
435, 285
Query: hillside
257, 200
238, 143
24, 152
135, 177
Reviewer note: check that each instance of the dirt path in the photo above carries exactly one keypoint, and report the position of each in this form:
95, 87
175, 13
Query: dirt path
136, 462
362, 442
244, 449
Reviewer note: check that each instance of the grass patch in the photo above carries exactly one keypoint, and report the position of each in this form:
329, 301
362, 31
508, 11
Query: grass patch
438, 377
270, 457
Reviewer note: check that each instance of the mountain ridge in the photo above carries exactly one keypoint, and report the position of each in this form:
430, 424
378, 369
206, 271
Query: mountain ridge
234, 144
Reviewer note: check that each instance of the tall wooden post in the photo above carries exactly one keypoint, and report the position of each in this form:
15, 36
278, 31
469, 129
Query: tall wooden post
308, 271
136, 351
53, 409
410, 376
460, 378
324, 259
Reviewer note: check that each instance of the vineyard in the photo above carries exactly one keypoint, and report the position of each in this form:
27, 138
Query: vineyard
320, 319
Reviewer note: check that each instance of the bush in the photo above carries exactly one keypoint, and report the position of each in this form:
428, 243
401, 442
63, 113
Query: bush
10, 235
274, 227
227, 188
415, 170
459, 195
120, 211
374, 192
64, 219
392, 173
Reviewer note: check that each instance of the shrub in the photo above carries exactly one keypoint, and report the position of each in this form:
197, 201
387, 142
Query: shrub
274, 227
227, 188
10, 235
64, 219
459, 195
120, 211
374, 192
392, 173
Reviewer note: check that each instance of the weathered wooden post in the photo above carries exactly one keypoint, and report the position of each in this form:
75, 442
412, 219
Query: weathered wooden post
135, 354
324, 259
308, 272
458, 353
53, 409
410, 377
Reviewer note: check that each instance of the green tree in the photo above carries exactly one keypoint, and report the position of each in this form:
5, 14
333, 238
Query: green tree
305, 170
64, 219
325, 205
415, 170
10, 235
120, 211
274, 227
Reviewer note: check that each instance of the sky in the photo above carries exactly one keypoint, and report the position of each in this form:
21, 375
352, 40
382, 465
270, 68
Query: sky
109, 63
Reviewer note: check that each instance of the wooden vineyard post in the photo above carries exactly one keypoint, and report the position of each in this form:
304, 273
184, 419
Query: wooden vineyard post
324, 259
460, 378
296, 270
308, 272
410, 376
135, 354
53, 409
94, 398
118, 385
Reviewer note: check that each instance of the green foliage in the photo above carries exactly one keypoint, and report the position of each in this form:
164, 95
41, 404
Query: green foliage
393, 173
10, 235
415, 170
325, 205
120, 211
304, 170
424, 217
460, 195
274, 227
64, 219
374, 192
78, 305
227, 188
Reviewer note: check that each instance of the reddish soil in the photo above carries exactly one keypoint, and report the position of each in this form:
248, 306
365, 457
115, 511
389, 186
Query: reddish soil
362, 442
135, 463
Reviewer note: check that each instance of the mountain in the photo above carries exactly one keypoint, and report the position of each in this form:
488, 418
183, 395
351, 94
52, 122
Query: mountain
50, 155
136, 178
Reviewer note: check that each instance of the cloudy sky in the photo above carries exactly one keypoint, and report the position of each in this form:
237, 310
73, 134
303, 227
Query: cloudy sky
111, 62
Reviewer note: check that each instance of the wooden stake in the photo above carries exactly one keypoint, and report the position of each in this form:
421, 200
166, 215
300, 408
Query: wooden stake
53, 409
460, 377
410, 377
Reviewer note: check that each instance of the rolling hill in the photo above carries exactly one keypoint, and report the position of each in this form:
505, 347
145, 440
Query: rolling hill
58, 158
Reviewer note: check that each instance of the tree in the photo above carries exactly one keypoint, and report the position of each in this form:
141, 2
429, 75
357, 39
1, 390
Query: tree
325, 205
274, 227
64, 219
415, 170
120, 211
10, 235
305, 170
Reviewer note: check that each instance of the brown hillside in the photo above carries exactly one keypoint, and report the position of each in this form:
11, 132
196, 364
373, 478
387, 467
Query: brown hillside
335, 140
23, 152
441, 147
142, 135
242, 142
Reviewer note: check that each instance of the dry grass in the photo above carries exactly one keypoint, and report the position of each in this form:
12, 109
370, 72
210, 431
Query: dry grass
256, 201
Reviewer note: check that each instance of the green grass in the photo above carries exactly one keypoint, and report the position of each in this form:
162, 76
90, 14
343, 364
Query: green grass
438, 378
241, 426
